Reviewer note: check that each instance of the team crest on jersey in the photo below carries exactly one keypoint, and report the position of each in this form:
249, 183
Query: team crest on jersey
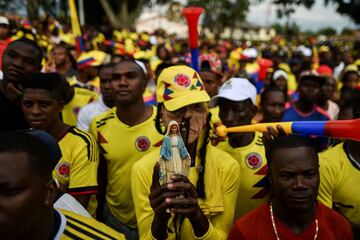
253, 160
182, 80
63, 169
142, 143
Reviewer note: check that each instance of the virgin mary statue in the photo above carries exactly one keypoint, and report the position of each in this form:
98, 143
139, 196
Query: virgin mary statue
174, 157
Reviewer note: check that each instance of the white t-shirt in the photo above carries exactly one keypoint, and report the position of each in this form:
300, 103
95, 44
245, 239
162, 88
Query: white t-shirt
89, 111
333, 110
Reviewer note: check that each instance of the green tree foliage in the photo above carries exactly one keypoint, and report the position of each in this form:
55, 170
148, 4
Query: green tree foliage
349, 8
220, 14
287, 7
328, 31
278, 28
347, 31
123, 13
33, 7
289, 29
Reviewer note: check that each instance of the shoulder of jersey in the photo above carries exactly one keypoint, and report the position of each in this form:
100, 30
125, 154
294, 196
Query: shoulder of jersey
88, 140
78, 226
103, 118
85, 92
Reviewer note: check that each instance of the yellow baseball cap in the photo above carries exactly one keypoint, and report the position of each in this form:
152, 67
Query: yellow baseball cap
179, 86
92, 58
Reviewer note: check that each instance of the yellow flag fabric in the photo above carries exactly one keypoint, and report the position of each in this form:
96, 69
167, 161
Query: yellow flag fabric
75, 25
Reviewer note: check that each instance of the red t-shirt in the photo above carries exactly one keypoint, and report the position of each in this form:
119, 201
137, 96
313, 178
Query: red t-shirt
3, 46
257, 225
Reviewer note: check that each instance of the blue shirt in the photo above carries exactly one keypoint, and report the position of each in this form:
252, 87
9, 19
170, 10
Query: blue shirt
317, 114
293, 114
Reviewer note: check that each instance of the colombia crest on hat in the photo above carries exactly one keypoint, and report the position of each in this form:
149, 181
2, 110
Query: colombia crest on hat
179, 86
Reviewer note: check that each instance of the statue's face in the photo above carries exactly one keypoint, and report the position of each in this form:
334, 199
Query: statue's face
174, 129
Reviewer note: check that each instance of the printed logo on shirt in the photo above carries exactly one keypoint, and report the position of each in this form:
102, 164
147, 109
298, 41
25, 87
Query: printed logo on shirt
63, 169
142, 143
182, 80
253, 160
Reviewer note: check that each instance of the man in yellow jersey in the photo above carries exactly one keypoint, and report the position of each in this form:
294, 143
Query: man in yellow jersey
76, 98
236, 100
124, 133
340, 176
88, 64
85, 87
77, 170
206, 208
28, 193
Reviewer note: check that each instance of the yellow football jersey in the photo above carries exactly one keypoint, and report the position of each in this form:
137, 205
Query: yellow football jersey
77, 169
221, 182
72, 108
121, 146
74, 226
92, 85
339, 179
254, 187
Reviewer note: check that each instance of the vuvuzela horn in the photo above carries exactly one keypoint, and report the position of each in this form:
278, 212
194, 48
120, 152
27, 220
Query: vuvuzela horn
192, 15
344, 129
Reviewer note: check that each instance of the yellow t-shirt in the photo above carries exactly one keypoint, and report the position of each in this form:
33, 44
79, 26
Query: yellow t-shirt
254, 188
121, 146
339, 179
221, 189
215, 115
77, 169
80, 99
75, 226
92, 85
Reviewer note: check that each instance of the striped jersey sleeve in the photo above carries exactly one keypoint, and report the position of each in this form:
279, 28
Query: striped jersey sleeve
80, 227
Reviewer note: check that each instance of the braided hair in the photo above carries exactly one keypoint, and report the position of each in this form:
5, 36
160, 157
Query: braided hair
200, 186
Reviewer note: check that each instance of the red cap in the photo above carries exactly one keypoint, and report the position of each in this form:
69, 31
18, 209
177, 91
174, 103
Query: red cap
325, 70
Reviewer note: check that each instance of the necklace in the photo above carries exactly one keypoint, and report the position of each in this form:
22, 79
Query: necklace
274, 226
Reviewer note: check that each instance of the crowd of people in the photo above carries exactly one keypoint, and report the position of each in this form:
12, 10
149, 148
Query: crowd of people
85, 119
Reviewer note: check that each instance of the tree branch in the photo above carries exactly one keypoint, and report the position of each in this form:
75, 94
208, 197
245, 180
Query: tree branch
109, 12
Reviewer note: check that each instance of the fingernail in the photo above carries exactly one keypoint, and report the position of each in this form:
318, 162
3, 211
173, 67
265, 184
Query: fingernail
167, 200
170, 185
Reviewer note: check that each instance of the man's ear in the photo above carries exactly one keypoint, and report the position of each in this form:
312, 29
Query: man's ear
52, 193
